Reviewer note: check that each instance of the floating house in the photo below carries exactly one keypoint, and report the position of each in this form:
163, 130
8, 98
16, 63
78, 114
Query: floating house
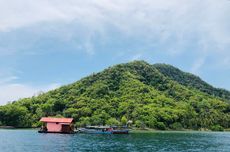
57, 125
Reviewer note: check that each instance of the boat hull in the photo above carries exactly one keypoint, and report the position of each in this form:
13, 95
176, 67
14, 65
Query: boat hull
95, 131
120, 131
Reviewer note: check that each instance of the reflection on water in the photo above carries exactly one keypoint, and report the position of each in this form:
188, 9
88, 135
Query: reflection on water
31, 141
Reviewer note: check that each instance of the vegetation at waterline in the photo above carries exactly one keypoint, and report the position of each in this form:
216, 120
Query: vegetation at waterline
156, 96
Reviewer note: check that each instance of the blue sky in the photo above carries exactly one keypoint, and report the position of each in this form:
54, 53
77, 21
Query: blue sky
45, 44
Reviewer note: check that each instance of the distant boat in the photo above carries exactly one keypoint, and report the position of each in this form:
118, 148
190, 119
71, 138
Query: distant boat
103, 130
120, 129
57, 125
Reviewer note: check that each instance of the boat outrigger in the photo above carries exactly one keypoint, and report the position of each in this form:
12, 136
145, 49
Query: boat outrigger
104, 130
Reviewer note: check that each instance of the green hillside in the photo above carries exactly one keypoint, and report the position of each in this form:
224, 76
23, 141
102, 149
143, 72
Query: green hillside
155, 96
191, 80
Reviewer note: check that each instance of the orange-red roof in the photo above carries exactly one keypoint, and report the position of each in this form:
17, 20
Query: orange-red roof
60, 120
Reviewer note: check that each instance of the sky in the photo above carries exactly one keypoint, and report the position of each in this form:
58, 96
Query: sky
46, 44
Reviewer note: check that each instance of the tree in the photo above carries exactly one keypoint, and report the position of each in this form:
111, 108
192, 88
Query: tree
112, 121
124, 120
153, 96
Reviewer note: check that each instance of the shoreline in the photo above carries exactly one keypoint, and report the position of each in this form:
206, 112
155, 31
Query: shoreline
12, 127
177, 131
132, 130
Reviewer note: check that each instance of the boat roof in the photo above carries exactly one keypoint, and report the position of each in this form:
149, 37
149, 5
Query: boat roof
60, 120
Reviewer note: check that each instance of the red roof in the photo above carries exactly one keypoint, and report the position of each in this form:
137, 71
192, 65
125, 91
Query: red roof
60, 120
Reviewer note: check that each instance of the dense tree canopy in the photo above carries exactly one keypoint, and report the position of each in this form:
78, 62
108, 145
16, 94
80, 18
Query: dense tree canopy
154, 96
191, 80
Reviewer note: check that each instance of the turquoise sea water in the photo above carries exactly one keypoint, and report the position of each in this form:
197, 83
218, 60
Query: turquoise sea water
31, 141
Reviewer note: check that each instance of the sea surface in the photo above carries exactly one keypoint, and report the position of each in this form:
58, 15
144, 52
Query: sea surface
31, 141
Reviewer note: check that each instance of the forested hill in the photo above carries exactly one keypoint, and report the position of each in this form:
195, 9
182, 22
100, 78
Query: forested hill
191, 80
155, 96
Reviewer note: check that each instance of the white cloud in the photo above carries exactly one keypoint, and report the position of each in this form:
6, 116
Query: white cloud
197, 65
7, 79
198, 27
136, 56
127, 15
164, 21
11, 92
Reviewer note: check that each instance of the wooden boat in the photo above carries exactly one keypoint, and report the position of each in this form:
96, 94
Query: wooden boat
95, 130
103, 130
120, 130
